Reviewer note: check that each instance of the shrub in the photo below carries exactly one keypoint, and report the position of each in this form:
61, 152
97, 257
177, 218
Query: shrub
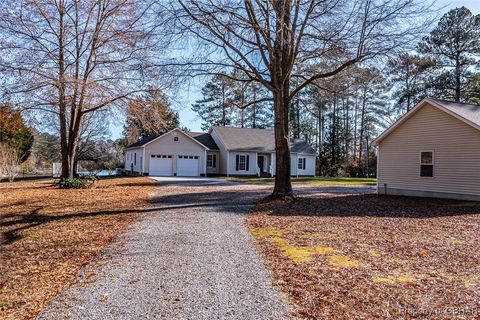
77, 183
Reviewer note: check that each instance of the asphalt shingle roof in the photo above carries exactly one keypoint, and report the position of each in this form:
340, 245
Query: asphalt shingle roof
260, 140
469, 112
143, 141
205, 139
202, 137
238, 139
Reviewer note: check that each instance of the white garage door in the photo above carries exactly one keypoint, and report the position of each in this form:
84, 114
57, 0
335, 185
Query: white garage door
187, 166
160, 165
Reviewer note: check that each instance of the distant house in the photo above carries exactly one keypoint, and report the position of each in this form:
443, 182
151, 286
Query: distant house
221, 150
432, 151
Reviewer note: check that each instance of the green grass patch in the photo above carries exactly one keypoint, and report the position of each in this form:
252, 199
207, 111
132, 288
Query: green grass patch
314, 181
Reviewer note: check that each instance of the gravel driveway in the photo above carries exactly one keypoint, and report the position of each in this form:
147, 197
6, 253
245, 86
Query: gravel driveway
191, 259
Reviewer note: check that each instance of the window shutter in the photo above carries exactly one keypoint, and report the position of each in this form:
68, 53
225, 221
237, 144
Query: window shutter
304, 163
214, 160
237, 162
248, 162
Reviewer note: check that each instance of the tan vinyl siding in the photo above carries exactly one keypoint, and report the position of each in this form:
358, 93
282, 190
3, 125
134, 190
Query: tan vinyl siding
457, 154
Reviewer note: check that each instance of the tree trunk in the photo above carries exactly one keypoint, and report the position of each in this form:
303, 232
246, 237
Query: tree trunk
62, 103
283, 184
254, 107
281, 76
224, 116
334, 136
74, 136
458, 79
362, 125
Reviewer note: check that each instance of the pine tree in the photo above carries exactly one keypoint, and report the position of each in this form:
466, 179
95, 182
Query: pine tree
455, 44
215, 108
408, 76
238, 103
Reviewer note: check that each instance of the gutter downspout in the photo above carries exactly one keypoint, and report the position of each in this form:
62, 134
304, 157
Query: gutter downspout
143, 161
228, 163
256, 165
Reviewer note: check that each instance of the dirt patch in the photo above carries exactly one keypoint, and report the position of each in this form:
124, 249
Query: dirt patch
367, 256
47, 234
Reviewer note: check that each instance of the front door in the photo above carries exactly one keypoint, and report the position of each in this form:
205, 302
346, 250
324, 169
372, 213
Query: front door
260, 161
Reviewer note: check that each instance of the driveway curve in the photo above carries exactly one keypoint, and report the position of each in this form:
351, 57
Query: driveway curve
190, 259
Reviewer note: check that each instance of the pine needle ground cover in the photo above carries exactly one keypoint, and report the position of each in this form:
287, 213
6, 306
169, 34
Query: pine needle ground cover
369, 256
309, 181
47, 234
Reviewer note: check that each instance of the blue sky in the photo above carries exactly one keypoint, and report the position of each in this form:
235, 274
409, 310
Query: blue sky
184, 100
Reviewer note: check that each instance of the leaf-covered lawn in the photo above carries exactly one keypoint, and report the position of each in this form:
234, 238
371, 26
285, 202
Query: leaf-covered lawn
47, 234
311, 181
368, 256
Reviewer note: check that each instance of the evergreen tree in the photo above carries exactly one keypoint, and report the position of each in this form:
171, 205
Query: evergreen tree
238, 103
408, 76
215, 108
455, 45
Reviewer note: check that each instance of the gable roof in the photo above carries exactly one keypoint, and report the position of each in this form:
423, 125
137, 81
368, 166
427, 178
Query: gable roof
198, 137
301, 146
260, 140
204, 138
468, 113
144, 141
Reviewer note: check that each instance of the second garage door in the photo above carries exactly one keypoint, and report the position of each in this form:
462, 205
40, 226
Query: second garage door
187, 166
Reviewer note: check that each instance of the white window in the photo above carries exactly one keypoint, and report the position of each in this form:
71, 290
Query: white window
427, 162
301, 163
242, 162
211, 160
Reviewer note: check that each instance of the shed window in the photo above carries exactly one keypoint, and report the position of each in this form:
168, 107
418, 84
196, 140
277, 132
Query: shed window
427, 164
175, 138
302, 163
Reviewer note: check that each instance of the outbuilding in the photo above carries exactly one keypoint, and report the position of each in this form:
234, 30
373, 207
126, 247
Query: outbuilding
432, 151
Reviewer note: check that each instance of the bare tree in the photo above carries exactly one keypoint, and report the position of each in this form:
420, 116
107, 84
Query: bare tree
75, 57
272, 42
9, 162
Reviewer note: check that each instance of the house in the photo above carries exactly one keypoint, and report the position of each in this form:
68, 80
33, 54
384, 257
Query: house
432, 151
220, 151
